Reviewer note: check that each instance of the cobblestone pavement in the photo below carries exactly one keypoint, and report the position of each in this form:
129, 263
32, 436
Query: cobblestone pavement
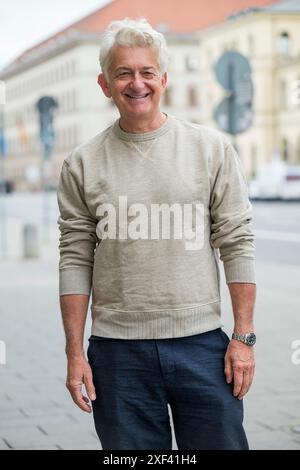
36, 411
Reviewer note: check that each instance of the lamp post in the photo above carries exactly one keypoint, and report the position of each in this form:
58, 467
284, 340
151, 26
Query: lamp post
46, 106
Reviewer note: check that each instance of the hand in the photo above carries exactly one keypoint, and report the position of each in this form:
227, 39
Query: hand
239, 366
80, 373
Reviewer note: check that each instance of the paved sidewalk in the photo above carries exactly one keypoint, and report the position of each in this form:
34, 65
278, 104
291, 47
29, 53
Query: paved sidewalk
36, 411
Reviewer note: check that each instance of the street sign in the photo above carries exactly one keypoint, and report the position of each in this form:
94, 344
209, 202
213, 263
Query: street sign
240, 67
234, 114
46, 106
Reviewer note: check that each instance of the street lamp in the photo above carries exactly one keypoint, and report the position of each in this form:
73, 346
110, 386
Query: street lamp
46, 106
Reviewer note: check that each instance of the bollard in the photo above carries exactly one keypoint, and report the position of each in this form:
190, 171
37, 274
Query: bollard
30, 241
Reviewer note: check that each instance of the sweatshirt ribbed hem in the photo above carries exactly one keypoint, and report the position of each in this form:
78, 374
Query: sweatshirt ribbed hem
156, 324
240, 269
75, 280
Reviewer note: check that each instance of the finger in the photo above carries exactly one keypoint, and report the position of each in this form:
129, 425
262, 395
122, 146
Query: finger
79, 399
251, 375
82, 402
228, 371
246, 385
89, 386
238, 381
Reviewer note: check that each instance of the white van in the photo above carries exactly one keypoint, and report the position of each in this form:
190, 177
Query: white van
276, 180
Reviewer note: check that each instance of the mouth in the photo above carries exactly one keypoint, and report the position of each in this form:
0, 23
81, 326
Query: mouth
137, 97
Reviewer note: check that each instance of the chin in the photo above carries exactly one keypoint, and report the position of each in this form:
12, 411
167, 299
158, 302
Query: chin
139, 111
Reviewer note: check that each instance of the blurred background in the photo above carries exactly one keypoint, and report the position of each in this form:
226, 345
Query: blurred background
235, 66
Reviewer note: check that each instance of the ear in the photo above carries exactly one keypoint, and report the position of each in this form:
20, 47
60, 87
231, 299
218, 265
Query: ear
104, 85
164, 80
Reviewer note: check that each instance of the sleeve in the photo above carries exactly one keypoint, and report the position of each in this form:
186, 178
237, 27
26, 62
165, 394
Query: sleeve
231, 217
78, 237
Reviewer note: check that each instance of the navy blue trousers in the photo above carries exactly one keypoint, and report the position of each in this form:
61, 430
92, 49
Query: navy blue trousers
135, 380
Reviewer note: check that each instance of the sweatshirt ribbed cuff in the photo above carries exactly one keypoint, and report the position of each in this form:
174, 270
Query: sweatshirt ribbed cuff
75, 280
240, 270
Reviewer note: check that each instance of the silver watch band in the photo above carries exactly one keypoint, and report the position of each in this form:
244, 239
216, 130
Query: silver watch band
246, 338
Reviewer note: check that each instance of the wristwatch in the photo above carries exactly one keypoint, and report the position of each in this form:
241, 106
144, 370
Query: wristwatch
246, 338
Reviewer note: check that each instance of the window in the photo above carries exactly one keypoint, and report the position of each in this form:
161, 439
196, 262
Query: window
253, 157
67, 70
62, 72
283, 47
167, 97
192, 96
285, 150
73, 68
283, 94
296, 91
61, 103
75, 135
191, 63
251, 44
67, 101
209, 57
73, 100
298, 151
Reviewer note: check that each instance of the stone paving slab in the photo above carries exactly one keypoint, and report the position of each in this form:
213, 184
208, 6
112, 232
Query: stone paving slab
24, 437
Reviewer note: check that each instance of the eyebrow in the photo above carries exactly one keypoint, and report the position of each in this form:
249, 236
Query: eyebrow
123, 67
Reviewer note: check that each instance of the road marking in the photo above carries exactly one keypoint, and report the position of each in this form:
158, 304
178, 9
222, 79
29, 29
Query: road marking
279, 236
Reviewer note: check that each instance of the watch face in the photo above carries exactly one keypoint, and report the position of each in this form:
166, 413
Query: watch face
251, 339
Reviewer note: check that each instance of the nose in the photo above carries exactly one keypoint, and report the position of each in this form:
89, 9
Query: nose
137, 82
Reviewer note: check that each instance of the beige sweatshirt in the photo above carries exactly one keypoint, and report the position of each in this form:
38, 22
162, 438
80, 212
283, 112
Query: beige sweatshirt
143, 219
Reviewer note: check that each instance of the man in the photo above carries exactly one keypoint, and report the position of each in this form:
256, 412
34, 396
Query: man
144, 208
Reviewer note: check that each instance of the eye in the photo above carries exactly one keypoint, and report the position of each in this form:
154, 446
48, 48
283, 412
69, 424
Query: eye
148, 74
123, 74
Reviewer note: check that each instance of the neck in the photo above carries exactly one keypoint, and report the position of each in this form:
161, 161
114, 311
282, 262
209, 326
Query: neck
142, 125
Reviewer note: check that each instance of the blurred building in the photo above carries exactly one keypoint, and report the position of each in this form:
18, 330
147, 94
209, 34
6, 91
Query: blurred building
270, 38
65, 66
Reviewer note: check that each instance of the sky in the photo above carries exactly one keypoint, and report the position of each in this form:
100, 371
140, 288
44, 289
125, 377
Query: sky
23, 23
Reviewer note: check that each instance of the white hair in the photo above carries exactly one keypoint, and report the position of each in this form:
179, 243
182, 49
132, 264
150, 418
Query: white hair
132, 33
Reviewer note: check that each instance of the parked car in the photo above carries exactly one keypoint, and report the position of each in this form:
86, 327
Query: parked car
276, 180
290, 188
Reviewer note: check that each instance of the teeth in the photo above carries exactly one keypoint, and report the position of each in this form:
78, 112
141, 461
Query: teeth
137, 97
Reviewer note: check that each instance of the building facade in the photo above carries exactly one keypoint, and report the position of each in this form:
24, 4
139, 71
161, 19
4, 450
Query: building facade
66, 67
68, 72
270, 39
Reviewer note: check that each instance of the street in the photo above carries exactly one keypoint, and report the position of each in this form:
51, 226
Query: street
36, 411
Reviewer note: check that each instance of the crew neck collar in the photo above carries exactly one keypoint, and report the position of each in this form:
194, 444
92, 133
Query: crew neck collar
143, 136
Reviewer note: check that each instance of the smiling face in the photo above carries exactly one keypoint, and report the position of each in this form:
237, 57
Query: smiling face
135, 83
